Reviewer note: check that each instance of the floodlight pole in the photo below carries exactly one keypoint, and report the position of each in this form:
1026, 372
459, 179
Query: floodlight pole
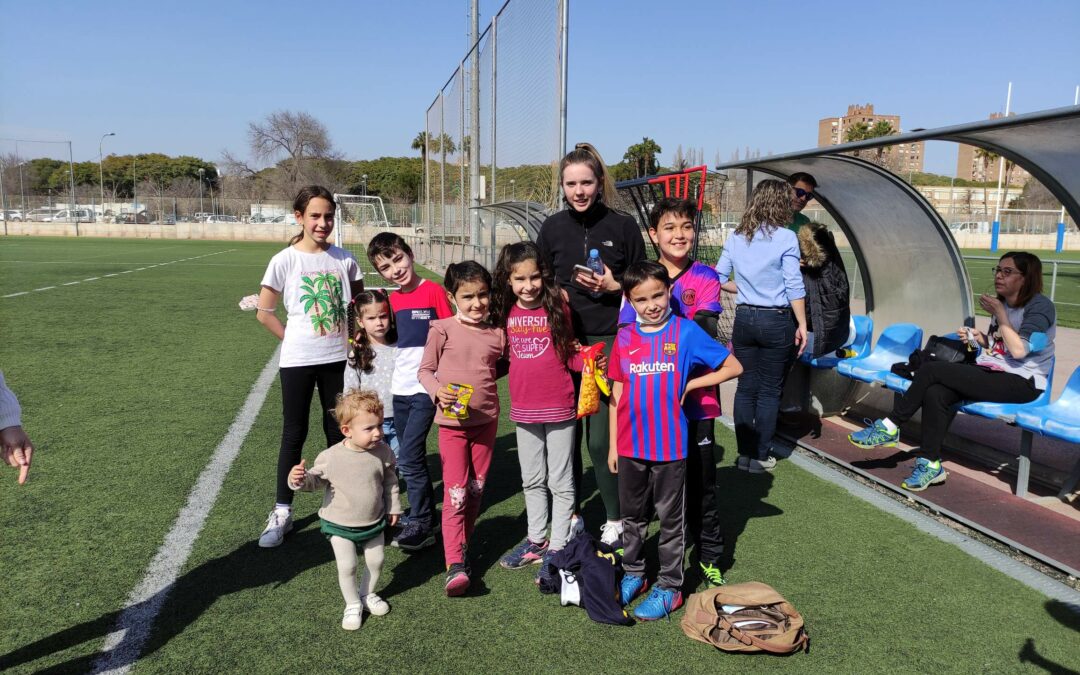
996, 227
3, 197
101, 172
71, 178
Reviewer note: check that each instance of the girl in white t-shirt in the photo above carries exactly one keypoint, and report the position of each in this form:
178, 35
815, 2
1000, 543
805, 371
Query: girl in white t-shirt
316, 280
372, 348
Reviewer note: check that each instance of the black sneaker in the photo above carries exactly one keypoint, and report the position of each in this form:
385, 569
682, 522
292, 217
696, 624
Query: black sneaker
413, 537
457, 579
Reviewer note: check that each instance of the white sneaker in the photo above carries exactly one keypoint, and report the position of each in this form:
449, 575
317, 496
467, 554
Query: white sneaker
611, 533
375, 605
577, 526
277, 525
351, 620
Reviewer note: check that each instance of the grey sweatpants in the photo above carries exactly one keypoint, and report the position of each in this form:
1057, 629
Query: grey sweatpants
643, 486
545, 452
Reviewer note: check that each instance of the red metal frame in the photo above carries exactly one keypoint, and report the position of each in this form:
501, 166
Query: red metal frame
681, 182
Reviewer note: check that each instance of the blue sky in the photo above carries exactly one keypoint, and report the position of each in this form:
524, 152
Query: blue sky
187, 79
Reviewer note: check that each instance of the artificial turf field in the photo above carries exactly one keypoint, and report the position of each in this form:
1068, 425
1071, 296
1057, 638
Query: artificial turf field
129, 382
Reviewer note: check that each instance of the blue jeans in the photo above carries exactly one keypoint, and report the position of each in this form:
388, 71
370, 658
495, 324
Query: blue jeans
389, 433
413, 416
764, 343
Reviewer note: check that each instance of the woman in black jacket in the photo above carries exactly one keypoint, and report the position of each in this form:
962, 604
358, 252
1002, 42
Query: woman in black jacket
828, 300
565, 241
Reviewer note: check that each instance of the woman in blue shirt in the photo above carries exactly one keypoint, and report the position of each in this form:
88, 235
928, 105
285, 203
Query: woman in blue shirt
770, 315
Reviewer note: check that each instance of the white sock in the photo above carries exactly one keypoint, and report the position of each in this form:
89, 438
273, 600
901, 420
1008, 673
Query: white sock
285, 509
889, 424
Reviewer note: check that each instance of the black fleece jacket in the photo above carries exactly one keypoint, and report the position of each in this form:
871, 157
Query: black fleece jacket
564, 241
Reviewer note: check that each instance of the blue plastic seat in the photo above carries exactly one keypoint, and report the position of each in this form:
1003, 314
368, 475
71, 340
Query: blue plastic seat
900, 384
1007, 411
1060, 419
894, 346
864, 331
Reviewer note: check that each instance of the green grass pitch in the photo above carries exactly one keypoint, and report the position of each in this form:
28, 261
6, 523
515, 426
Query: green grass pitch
129, 382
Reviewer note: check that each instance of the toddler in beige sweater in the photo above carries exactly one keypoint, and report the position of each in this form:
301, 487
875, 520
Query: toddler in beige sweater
360, 499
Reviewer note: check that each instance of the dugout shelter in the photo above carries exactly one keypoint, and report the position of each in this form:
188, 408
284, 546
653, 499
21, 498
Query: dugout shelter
911, 267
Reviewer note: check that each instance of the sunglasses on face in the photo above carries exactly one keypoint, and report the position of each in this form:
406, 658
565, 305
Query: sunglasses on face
803, 194
1004, 271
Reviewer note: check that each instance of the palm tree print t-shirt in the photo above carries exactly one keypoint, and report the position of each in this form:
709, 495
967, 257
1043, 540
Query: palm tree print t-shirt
315, 288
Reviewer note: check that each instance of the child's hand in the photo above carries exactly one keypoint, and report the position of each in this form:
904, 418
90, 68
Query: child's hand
394, 518
613, 460
298, 473
601, 363
447, 397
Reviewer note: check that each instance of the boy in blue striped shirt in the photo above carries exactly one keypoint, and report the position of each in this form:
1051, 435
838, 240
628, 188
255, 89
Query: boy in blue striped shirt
650, 365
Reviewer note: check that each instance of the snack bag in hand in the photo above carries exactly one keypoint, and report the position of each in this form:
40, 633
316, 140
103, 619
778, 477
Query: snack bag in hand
592, 382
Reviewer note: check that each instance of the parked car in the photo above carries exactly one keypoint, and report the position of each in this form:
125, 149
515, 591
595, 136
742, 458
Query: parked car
133, 218
167, 220
974, 226
74, 216
42, 215
14, 214
222, 219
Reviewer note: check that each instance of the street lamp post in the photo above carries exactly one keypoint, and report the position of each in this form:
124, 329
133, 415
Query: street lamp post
513, 191
101, 172
201, 172
364, 184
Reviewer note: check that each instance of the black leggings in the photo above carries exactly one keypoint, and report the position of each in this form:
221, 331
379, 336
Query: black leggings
297, 385
939, 386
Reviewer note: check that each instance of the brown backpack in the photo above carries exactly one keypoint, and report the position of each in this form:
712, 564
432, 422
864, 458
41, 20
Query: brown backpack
757, 619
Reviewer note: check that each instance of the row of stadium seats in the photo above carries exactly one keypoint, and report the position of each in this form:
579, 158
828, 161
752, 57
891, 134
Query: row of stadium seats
1059, 419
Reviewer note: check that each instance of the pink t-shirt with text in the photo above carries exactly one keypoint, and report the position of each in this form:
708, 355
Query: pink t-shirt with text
541, 390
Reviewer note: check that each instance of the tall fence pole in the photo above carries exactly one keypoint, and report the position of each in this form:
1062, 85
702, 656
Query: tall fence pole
474, 127
494, 66
564, 46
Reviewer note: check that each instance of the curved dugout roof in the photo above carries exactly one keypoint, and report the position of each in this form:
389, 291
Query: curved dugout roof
911, 267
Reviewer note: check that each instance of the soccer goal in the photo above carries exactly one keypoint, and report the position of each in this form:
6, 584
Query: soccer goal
357, 218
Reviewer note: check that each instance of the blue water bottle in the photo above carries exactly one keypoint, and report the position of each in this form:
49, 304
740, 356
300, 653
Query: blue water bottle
596, 265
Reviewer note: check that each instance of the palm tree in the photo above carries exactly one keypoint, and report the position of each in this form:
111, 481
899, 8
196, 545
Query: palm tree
322, 323
319, 299
421, 143
987, 158
643, 156
330, 284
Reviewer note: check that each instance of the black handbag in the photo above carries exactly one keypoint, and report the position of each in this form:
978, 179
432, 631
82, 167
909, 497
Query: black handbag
949, 350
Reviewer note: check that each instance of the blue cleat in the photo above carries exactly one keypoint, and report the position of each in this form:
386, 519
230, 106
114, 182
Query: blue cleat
632, 586
660, 603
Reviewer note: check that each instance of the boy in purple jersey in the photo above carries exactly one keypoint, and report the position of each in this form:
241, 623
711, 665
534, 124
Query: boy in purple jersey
695, 294
651, 365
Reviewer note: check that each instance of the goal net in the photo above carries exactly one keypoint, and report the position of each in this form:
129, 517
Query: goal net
357, 219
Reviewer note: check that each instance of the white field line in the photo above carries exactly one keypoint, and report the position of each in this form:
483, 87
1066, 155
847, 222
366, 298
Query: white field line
125, 642
114, 274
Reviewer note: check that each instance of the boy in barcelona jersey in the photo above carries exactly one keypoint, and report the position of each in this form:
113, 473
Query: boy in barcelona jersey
651, 364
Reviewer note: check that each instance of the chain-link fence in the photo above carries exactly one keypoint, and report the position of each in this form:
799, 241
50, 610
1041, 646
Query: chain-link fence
493, 131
